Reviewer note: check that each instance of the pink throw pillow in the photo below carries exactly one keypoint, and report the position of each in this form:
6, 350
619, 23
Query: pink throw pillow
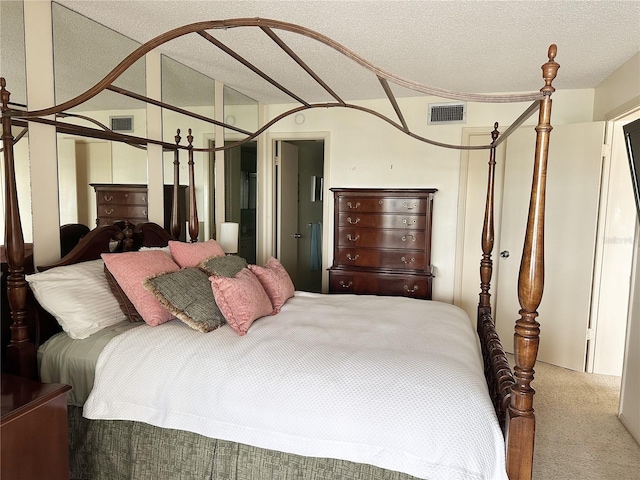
276, 282
191, 254
241, 299
130, 269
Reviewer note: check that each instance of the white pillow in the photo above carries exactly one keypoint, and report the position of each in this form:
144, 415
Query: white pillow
78, 296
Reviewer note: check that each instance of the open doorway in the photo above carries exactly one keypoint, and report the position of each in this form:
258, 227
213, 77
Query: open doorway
299, 210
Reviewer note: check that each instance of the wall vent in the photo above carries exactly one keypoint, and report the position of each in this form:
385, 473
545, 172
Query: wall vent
441, 113
122, 123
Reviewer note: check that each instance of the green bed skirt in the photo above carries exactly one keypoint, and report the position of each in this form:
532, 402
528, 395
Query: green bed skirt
124, 450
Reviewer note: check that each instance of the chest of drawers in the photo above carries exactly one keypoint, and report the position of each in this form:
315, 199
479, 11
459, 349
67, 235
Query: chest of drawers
382, 242
117, 202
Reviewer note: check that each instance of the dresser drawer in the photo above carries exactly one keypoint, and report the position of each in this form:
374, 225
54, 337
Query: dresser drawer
372, 220
120, 212
350, 204
121, 198
416, 286
362, 237
378, 258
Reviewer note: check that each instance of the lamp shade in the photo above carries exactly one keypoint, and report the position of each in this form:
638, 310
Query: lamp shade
229, 237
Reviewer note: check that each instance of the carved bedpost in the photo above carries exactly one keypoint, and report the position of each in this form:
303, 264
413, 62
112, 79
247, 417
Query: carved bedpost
20, 351
176, 228
194, 226
486, 264
520, 417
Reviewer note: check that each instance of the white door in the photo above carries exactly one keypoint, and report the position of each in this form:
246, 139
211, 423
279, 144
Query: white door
573, 186
287, 207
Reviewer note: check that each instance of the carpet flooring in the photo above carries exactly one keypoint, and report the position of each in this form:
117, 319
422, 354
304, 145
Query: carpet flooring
578, 434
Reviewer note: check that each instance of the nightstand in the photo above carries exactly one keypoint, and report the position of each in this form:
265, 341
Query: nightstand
33, 430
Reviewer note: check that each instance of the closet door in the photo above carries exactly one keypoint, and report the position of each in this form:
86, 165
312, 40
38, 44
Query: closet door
573, 186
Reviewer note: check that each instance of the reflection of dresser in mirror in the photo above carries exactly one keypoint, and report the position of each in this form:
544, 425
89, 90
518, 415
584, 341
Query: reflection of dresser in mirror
116, 202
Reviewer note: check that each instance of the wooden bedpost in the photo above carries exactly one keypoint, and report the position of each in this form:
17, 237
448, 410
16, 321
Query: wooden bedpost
21, 353
486, 264
176, 228
496, 366
194, 226
520, 417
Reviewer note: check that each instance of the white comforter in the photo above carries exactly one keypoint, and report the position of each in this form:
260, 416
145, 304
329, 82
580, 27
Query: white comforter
388, 381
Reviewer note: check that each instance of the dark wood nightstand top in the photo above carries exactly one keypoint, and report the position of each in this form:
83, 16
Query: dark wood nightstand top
21, 395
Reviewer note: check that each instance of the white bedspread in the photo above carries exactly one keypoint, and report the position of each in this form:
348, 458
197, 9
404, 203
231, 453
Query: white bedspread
392, 382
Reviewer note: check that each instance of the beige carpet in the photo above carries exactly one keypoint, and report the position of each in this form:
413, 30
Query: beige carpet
578, 434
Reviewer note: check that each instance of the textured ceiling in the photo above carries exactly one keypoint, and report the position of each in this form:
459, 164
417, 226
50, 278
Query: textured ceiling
472, 46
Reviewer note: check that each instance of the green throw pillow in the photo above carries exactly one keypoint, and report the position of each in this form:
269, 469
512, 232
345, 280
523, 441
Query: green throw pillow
187, 294
225, 266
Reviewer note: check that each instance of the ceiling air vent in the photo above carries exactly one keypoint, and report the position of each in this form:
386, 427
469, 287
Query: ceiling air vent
441, 113
122, 123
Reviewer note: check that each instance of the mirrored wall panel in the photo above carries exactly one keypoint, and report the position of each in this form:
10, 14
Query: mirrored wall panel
84, 52
198, 99
12, 68
241, 173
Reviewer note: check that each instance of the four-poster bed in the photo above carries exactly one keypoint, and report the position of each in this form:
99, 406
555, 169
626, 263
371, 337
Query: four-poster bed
510, 393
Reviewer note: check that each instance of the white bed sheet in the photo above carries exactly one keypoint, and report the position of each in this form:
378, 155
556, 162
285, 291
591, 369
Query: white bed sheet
389, 381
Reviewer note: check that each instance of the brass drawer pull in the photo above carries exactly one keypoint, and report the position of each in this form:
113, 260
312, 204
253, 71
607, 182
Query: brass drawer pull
144, 212
404, 238
144, 198
353, 222
407, 221
413, 290
346, 285
412, 260
351, 205
409, 206
108, 211
108, 198
352, 258
353, 239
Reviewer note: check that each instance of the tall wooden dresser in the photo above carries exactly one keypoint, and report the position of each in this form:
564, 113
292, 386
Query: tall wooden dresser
117, 202
382, 242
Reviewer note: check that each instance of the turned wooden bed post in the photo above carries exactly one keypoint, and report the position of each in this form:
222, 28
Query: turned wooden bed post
176, 228
21, 353
486, 264
194, 226
520, 431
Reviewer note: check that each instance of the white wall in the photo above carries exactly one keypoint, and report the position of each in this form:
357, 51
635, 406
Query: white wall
630, 393
365, 151
618, 94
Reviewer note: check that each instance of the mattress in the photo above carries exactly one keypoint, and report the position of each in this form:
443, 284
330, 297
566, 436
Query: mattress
73, 362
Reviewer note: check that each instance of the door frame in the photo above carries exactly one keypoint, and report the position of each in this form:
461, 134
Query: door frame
602, 269
267, 198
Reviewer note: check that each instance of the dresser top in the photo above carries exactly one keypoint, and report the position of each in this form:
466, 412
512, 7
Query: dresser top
385, 192
119, 186
21, 394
